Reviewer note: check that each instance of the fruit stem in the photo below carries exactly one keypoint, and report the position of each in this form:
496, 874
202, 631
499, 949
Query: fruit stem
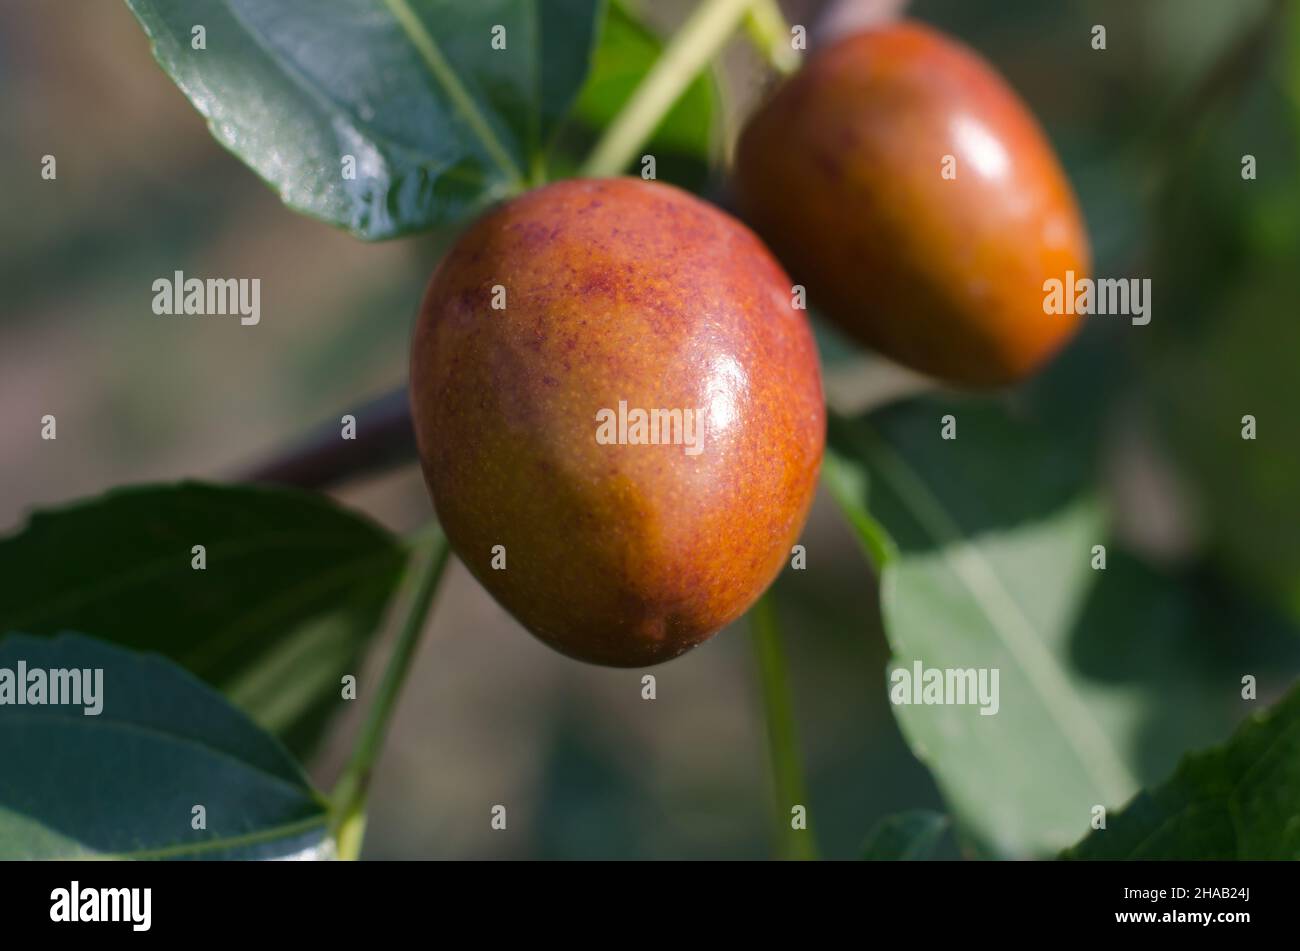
698, 40
770, 33
783, 741
349, 796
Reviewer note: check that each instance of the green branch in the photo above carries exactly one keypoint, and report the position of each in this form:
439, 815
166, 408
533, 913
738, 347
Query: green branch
783, 741
349, 796
770, 34
698, 40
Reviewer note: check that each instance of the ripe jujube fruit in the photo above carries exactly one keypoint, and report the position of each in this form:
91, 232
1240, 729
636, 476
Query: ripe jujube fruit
842, 173
554, 318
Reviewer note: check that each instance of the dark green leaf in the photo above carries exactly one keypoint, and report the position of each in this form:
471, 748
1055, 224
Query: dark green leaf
438, 121
294, 588
905, 837
123, 783
1239, 801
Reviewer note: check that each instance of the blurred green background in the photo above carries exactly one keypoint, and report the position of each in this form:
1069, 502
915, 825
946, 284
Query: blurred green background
1151, 130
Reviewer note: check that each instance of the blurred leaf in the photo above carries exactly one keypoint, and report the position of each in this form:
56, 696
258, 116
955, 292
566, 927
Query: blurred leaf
1239, 801
439, 123
1242, 363
294, 588
905, 837
1225, 344
1171, 648
1293, 59
984, 546
587, 805
123, 783
627, 49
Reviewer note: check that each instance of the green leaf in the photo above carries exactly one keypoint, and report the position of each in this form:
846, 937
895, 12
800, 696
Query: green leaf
123, 783
984, 546
1239, 801
293, 589
905, 837
991, 540
438, 121
685, 139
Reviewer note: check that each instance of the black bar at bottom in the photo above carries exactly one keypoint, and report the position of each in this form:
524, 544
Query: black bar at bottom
338, 901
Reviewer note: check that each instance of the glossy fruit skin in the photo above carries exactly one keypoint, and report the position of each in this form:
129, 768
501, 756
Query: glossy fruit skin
616, 289
840, 172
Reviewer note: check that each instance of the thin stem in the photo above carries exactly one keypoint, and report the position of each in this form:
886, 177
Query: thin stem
770, 33
783, 741
349, 796
698, 40
537, 173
